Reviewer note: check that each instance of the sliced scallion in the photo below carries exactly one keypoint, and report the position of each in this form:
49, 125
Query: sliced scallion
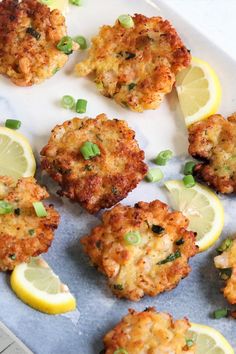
188, 167
163, 157
68, 102
5, 207
81, 106
226, 244
89, 150
126, 21
76, 2
40, 209
81, 41
13, 124
170, 258
65, 45
121, 351
133, 238
220, 313
189, 181
154, 175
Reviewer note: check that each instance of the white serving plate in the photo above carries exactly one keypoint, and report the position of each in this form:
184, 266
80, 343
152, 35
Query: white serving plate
38, 108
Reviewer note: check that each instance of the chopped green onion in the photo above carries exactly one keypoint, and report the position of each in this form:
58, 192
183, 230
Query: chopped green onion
12, 256
189, 342
68, 102
31, 232
33, 33
13, 123
120, 351
220, 313
81, 41
5, 207
131, 86
226, 244
163, 157
170, 258
179, 242
39, 209
188, 168
189, 181
118, 287
225, 273
55, 70
17, 211
157, 229
81, 106
89, 150
76, 2
126, 21
65, 45
154, 175
133, 238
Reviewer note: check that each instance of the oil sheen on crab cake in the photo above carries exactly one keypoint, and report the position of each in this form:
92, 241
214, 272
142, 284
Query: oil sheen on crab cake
213, 141
136, 66
148, 332
29, 34
226, 262
100, 181
142, 250
22, 233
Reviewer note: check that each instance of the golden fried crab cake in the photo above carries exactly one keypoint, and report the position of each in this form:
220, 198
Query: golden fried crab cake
101, 180
22, 233
213, 140
142, 249
29, 34
136, 66
226, 261
149, 332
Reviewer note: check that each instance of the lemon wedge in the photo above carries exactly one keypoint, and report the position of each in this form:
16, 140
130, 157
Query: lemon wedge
39, 287
203, 209
16, 156
199, 91
208, 340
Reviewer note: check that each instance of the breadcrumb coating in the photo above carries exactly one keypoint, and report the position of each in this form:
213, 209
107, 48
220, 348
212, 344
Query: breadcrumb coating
136, 66
213, 141
29, 34
156, 263
22, 233
149, 332
101, 181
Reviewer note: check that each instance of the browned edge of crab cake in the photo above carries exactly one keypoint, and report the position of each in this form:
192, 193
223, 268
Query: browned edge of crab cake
101, 181
226, 262
136, 66
213, 141
151, 330
22, 233
153, 264
29, 34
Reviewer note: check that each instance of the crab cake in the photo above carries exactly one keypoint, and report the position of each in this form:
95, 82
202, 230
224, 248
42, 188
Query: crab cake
148, 332
142, 249
213, 140
226, 261
136, 66
99, 180
29, 34
22, 233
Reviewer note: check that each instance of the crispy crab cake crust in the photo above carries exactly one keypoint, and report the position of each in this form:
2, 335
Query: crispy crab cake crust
224, 261
136, 66
23, 58
133, 270
213, 140
103, 180
149, 332
22, 233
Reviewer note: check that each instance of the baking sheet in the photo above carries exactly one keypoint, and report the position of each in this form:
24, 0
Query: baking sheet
38, 108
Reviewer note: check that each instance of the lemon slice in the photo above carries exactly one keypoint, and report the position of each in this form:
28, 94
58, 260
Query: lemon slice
39, 287
199, 91
16, 156
208, 340
203, 209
